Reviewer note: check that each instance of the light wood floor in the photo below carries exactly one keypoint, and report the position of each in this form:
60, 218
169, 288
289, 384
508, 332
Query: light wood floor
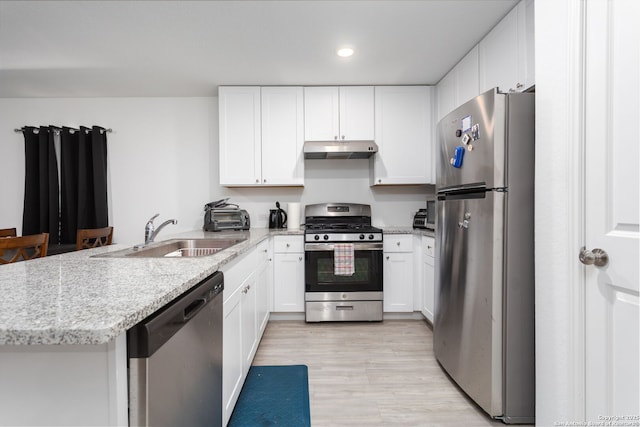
370, 374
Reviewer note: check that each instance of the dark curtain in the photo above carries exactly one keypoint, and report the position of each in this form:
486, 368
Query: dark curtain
84, 180
41, 206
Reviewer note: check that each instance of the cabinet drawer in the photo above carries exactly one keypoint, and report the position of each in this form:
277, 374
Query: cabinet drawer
429, 246
398, 243
237, 271
288, 244
262, 251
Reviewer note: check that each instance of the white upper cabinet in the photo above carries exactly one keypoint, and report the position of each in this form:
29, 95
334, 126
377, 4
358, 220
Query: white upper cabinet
339, 113
459, 85
446, 94
506, 55
526, 38
403, 117
240, 136
467, 79
282, 136
261, 136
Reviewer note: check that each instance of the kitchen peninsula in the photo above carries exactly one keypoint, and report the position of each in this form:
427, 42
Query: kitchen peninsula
63, 323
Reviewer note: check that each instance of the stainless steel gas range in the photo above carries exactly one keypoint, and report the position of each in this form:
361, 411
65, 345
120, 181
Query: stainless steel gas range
343, 263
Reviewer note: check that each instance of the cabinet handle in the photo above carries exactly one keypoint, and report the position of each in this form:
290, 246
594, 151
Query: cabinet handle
257, 181
264, 180
300, 258
265, 251
379, 181
248, 287
342, 136
387, 257
519, 85
335, 137
288, 245
245, 290
398, 243
428, 247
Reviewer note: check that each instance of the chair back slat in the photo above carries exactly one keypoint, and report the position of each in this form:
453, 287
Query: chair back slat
13, 249
93, 237
8, 232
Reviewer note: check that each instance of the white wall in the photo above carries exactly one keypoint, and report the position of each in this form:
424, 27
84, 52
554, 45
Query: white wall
158, 156
163, 158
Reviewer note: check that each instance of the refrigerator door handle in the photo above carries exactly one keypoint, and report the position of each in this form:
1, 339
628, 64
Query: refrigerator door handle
464, 188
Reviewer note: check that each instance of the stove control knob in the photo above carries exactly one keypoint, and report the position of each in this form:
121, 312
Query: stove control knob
316, 237
326, 237
370, 236
362, 237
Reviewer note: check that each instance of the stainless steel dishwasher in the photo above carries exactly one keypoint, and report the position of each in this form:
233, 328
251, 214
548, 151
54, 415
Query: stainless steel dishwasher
175, 361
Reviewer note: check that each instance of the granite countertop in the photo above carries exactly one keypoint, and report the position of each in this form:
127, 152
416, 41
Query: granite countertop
74, 298
407, 230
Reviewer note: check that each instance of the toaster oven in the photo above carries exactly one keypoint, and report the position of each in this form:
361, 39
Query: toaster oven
426, 218
219, 219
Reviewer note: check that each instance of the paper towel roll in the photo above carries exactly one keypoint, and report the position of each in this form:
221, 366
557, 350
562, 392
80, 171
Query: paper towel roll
293, 216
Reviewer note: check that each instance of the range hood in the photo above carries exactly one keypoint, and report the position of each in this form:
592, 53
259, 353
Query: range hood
339, 150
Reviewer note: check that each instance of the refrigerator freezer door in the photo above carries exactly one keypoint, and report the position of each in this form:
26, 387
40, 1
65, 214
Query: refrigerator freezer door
478, 127
469, 277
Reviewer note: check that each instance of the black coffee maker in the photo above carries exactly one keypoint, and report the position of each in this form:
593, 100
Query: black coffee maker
277, 217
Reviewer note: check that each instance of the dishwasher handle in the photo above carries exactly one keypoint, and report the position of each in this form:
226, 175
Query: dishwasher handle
193, 309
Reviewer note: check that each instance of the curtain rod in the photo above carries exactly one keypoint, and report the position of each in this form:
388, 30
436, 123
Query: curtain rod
57, 129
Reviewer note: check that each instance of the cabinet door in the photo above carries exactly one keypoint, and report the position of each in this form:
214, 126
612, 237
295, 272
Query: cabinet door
356, 113
526, 40
282, 136
240, 140
467, 80
428, 277
498, 55
403, 134
232, 358
321, 113
263, 296
288, 282
446, 93
398, 282
248, 328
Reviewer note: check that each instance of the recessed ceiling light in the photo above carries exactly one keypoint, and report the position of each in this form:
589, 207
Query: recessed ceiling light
345, 52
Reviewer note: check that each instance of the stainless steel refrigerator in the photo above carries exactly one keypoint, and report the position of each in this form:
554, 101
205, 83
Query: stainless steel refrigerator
484, 320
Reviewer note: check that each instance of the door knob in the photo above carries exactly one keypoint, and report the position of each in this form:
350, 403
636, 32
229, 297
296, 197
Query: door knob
597, 257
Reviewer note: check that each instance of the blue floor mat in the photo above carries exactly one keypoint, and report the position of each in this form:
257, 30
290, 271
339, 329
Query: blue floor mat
273, 396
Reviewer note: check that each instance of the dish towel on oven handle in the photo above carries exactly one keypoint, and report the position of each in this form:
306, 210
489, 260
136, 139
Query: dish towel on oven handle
343, 259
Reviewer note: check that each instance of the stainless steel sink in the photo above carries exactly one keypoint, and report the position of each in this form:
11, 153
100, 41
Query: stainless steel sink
175, 248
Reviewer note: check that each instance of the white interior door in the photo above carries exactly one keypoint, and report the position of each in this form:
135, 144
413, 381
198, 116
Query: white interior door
612, 209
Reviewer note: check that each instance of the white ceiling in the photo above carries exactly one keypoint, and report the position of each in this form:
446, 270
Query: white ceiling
189, 48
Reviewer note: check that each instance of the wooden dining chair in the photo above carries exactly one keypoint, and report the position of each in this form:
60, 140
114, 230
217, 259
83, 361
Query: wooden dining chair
14, 249
8, 232
93, 237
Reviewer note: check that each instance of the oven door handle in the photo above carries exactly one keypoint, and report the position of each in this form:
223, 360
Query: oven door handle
330, 247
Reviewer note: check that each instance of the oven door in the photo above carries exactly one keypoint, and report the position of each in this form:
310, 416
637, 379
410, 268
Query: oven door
319, 269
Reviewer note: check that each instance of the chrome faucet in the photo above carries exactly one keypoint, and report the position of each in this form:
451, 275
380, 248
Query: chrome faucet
150, 232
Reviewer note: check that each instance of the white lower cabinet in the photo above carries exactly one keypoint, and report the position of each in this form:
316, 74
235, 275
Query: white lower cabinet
246, 311
398, 273
232, 360
264, 280
428, 278
288, 274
